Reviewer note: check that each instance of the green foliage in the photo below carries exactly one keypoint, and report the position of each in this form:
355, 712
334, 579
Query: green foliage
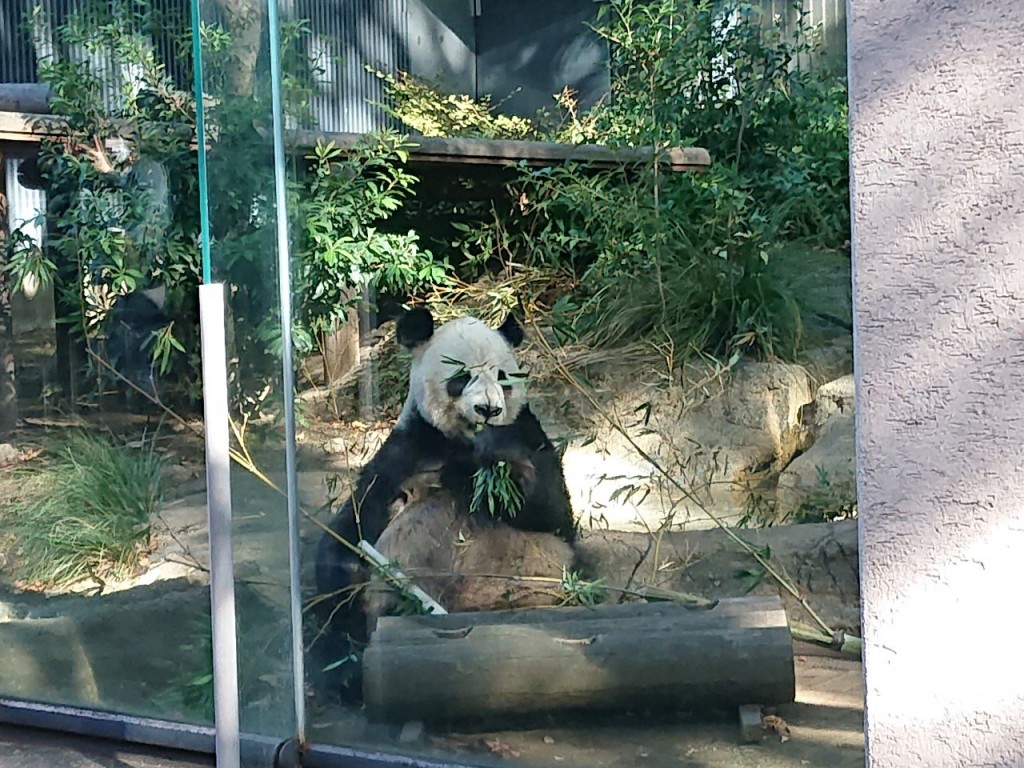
26, 263
724, 77
351, 194
427, 110
109, 232
190, 691
121, 179
578, 591
829, 501
688, 256
494, 488
689, 260
89, 512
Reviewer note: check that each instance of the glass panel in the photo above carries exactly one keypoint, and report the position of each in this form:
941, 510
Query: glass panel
685, 301
247, 238
103, 556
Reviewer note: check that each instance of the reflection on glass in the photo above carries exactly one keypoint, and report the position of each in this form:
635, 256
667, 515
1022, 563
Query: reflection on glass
247, 214
683, 366
103, 596
683, 297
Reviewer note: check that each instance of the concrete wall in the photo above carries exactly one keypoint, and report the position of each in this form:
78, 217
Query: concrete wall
937, 114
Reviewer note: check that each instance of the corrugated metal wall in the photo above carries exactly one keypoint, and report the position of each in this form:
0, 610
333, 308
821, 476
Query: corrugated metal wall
23, 204
348, 36
23, 42
830, 15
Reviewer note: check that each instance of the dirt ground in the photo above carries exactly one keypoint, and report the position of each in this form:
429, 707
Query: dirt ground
825, 730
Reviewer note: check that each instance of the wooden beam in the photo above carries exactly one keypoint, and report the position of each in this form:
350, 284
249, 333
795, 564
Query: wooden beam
464, 151
30, 127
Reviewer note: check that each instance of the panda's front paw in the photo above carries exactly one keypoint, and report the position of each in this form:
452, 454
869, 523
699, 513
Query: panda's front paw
502, 444
494, 444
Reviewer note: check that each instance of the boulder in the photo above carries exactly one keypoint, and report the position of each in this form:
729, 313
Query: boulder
835, 398
769, 398
822, 480
718, 450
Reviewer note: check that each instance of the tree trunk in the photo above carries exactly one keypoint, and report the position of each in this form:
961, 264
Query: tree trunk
8, 390
244, 19
341, 349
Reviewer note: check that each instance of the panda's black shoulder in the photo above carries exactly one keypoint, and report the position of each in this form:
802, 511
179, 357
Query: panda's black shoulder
412, 441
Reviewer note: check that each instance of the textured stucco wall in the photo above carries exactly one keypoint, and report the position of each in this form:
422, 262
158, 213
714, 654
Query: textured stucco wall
937, 121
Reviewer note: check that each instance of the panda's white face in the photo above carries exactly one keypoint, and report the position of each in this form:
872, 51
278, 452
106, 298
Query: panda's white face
465, 375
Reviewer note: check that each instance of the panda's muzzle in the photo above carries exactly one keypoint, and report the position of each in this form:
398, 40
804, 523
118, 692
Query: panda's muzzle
487, 411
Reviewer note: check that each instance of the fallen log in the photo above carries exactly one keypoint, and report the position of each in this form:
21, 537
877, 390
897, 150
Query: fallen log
636, 656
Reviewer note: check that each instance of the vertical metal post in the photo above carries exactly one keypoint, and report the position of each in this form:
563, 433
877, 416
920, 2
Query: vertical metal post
218, 501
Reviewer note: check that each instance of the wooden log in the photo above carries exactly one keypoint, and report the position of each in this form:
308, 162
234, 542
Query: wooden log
616, 657
341, 349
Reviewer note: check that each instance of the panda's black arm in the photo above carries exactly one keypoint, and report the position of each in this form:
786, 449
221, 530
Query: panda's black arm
380, 482
546, 506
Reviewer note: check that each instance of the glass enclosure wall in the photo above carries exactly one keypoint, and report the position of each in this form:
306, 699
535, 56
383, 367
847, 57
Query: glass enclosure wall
622, 483
104, 601
246, 190
617, 496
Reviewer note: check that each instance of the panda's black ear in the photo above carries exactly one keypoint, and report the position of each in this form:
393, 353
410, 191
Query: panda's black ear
512, 331
414, 327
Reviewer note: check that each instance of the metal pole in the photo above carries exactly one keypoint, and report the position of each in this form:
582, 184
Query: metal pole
287, 372
218, 500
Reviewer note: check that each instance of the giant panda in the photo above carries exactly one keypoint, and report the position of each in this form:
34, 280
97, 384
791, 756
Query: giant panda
466, 408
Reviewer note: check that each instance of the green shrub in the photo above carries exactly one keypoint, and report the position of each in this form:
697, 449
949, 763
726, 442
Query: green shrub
724, 77
351, 196
689, 261
89, 512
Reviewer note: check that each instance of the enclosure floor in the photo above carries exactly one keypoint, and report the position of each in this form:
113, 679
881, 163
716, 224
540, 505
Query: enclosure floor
30, 748
825, 731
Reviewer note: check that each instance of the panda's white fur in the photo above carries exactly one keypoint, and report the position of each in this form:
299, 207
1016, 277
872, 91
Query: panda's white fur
463, 564
496, 383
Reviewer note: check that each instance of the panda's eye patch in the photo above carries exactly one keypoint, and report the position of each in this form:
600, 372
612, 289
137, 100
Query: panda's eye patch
456, 384
506, 380
459, 379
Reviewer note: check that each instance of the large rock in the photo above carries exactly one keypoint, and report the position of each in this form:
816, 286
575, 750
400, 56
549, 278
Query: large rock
835, 398
769, 398
823, 479
719, 451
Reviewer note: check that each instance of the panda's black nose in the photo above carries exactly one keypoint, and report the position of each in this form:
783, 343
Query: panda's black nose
487, 411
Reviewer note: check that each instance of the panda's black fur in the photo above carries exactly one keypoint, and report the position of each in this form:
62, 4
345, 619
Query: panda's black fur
414, 444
